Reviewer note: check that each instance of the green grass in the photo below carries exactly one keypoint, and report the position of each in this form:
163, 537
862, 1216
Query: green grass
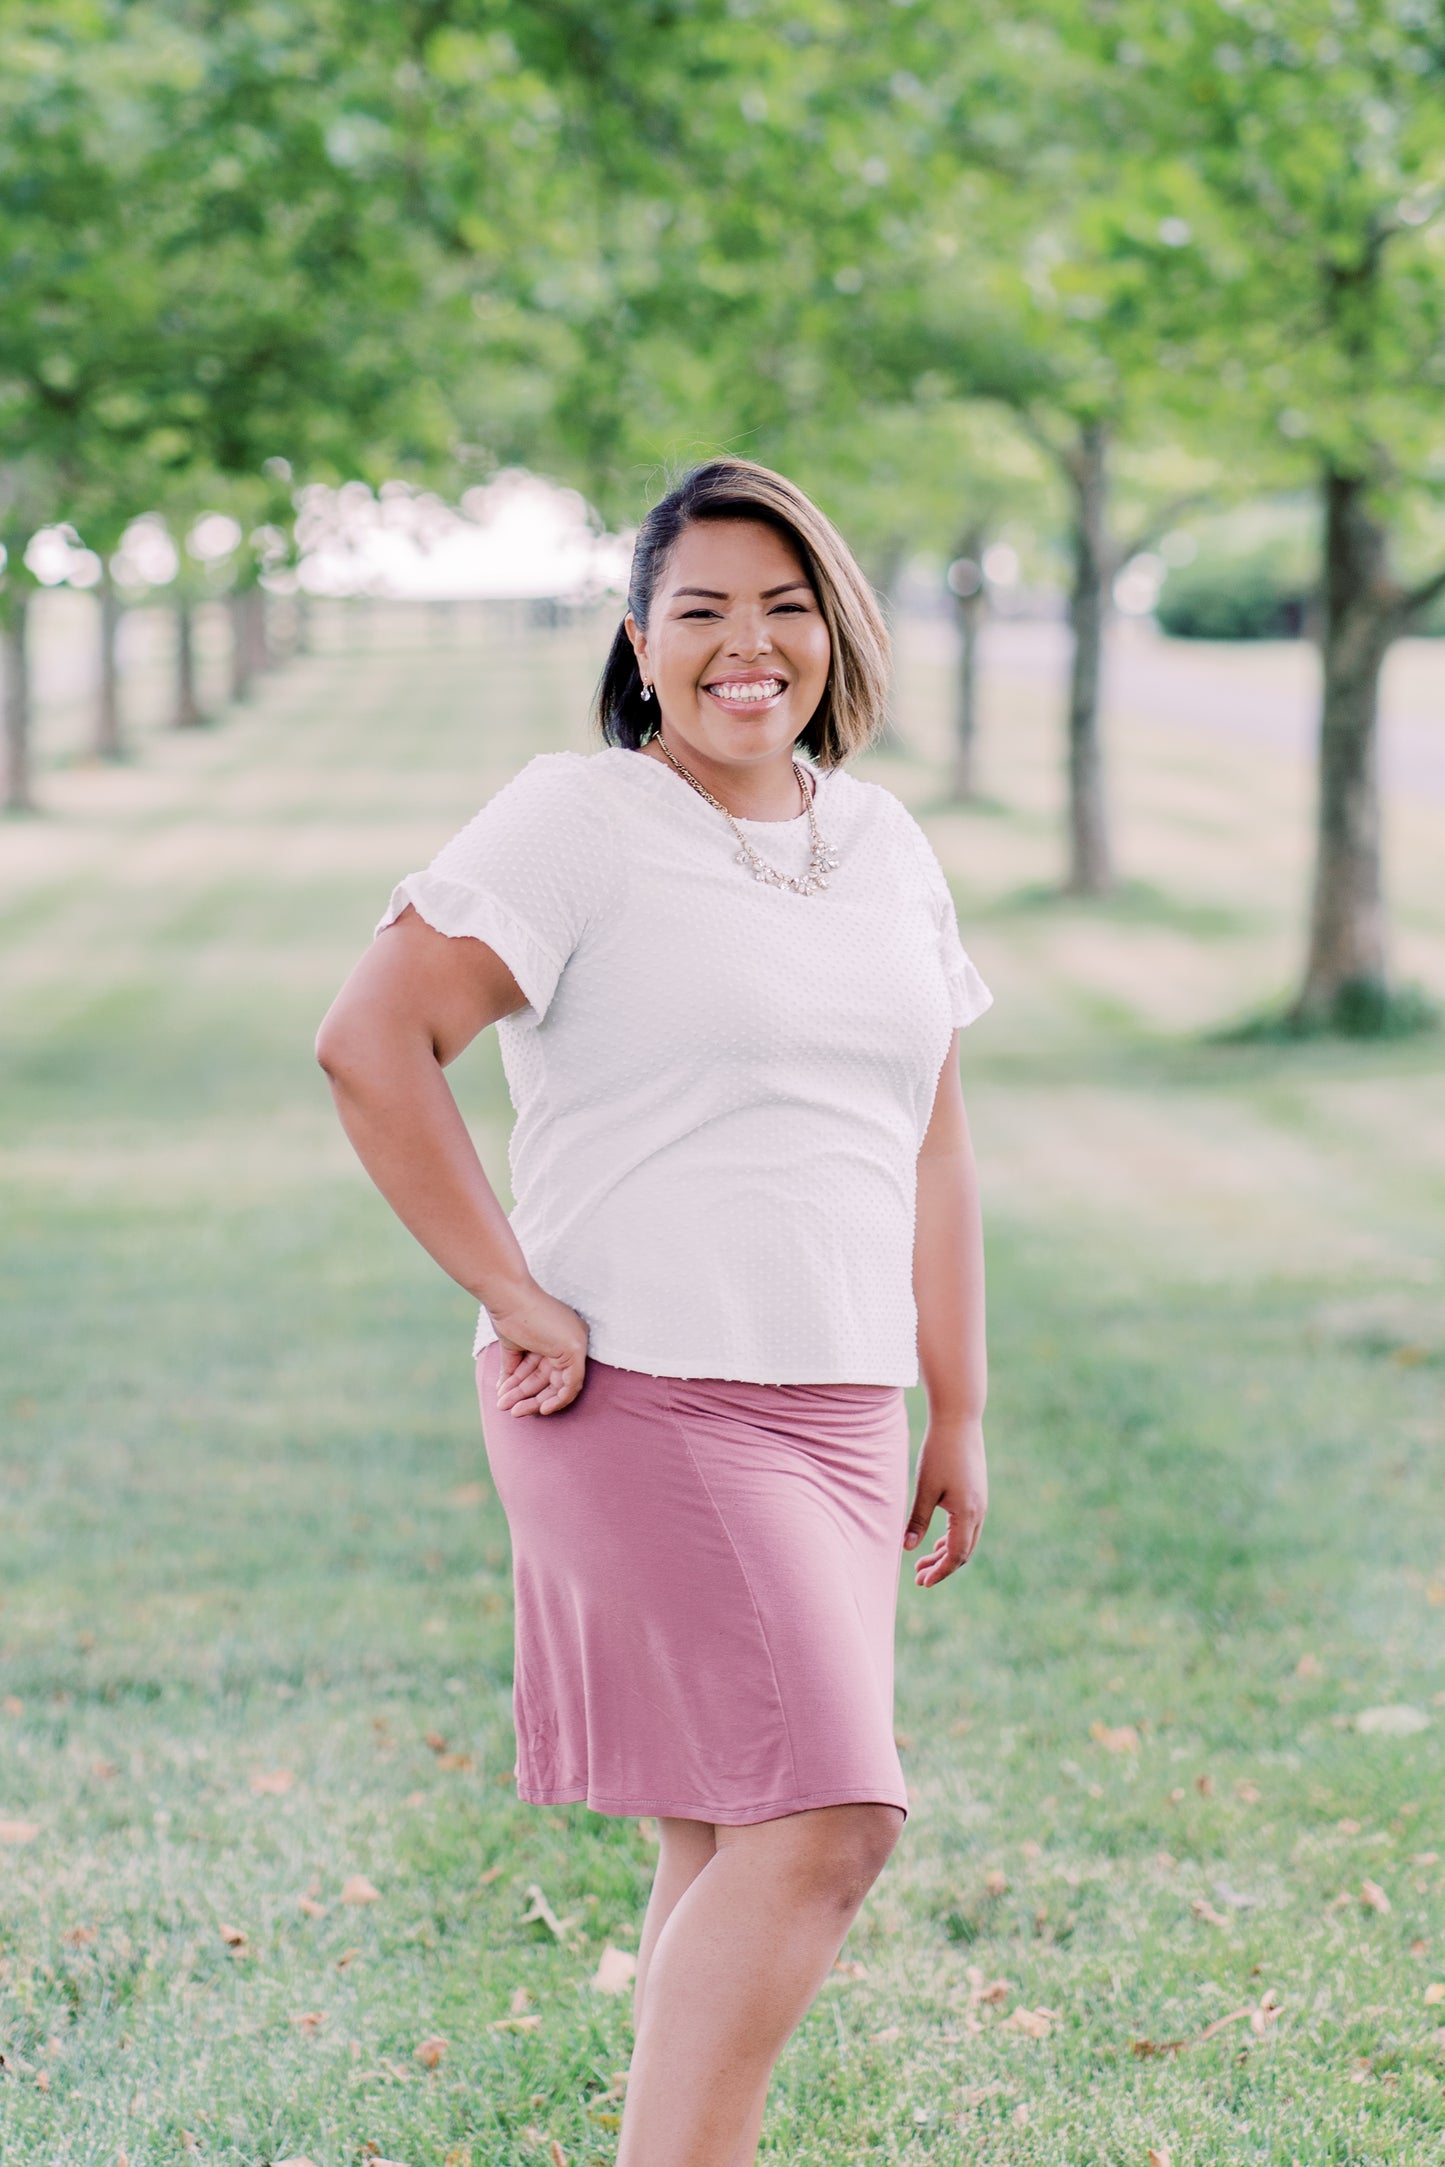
245, 1528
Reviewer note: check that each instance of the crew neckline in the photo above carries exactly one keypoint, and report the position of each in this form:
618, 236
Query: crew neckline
672, 780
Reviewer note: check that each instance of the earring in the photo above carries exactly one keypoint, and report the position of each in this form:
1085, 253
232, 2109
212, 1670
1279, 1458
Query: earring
647, 692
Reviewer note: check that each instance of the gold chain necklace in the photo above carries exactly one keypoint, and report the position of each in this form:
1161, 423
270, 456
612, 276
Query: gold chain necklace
821, 857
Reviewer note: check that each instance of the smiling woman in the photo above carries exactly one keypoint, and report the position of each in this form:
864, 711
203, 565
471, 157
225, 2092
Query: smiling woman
727, 984
717, 616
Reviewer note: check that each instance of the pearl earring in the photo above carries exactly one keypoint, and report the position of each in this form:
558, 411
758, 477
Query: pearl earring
647, 692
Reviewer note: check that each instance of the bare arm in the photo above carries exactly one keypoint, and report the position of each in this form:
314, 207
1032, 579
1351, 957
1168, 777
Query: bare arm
415, 1000
949, 1292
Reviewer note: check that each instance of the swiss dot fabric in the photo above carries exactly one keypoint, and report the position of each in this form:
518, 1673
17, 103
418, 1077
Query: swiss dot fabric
720, 1086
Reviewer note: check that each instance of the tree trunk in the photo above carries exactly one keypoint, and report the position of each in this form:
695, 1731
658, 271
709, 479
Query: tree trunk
1091, 870
258, 631
972, 607
1346, 964
240, 646
15, 692
301, 641
107, 708
187, 714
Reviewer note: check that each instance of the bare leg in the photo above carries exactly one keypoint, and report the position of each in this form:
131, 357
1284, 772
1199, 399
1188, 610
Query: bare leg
743, 1950
685, 1848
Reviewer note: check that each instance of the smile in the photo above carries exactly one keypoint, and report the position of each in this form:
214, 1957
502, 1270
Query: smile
746, 691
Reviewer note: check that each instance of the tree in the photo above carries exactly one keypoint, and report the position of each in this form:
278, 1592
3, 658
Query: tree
1305, 156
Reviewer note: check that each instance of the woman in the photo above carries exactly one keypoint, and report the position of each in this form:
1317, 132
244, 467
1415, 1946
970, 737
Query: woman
727, 986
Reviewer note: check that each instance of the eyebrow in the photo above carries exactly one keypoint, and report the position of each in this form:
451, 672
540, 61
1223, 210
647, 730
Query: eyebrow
710, 594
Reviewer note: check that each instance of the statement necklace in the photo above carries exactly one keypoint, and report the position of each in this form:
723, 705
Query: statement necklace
821, 858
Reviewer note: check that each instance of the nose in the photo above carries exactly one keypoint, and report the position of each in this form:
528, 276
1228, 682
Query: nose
749, 636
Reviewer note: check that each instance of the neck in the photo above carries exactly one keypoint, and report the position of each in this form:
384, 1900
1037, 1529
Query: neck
758, 790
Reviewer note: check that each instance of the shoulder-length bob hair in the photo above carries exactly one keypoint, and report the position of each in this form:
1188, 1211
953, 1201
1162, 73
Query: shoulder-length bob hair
853, 708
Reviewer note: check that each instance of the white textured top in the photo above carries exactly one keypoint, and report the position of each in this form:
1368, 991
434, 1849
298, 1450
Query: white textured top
721, 1087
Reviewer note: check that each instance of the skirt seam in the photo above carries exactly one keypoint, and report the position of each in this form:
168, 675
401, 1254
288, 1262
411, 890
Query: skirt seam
675, 1418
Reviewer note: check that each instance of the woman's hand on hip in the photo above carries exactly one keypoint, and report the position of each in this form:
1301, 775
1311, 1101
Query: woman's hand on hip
952, 1474
544, 1354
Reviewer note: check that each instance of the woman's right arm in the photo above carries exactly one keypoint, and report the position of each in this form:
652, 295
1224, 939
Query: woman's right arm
413, 1002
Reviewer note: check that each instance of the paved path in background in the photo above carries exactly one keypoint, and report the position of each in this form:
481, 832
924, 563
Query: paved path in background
1267, 692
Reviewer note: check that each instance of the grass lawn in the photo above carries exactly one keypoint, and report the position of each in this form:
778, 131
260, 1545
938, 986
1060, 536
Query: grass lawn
258, 1837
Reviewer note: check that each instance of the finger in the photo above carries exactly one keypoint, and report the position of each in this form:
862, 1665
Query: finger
522, 1378
566, 1386
918, 1520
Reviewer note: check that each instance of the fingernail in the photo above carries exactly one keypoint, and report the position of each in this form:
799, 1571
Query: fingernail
910, 1541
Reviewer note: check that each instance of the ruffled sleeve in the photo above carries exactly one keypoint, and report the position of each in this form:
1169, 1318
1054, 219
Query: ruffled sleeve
967, 994
527, 874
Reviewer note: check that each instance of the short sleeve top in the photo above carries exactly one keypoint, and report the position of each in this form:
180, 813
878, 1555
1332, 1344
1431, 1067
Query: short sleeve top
720, 1085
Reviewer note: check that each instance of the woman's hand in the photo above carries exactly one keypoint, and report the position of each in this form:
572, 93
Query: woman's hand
544, 1353
953, 1473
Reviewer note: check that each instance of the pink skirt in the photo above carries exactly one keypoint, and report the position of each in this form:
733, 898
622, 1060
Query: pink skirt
706, 1583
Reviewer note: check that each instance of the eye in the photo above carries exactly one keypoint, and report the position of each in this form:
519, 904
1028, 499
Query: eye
794, 609
699, 613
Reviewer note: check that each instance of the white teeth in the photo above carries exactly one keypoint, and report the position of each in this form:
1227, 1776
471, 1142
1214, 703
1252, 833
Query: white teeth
762, 688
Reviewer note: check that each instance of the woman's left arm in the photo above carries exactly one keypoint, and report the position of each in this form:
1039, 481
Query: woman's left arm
948, 1290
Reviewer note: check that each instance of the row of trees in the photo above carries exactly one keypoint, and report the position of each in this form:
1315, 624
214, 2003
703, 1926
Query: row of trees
1080, 264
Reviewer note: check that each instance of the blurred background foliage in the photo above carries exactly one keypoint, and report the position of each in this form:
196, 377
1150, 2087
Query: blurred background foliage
1065, 277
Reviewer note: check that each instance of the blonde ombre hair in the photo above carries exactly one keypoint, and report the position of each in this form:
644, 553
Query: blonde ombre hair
853, 709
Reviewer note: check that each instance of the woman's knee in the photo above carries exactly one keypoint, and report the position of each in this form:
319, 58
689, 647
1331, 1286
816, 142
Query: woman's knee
836, 1853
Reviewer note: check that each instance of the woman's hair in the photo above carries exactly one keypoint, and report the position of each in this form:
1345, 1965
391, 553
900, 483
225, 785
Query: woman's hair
852, 710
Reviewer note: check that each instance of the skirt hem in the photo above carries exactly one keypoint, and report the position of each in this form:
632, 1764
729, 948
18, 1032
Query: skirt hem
731, 1816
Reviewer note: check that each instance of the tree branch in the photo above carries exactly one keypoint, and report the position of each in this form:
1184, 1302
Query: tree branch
1420, 598
1160, 522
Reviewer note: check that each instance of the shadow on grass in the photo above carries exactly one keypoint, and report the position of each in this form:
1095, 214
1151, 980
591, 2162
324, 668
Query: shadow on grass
1133, 902
1361, 1009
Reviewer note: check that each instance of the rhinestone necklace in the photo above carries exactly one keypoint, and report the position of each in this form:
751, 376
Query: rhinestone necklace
821, 857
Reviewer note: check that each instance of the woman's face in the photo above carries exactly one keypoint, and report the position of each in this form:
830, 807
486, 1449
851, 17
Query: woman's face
736, 650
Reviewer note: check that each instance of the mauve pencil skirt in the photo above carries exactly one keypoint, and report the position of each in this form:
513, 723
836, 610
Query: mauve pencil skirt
706, 1577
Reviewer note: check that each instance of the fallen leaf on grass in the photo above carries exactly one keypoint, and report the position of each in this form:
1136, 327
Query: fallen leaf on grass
1374, 1897
520, 2002
1204, 1785
13, 1705
430, 2052
1419, 1948
453, 1761
1021, 2114
1160, 2156
1260, 2019
104, 1771
234, 1937
1031, 1849
492, 1873
356, 1889
1033, 2023
79, 1937
1434, 1993
1424, 1858
272, 1782
1115, 1738
312, 1909
346, 1958
556, 2155
851, 1969
1203, 1909
983, 1989
889, 2031
19, 1831
469, 1493
435, 1740
514, 2024
541, 1911
1247, 1793
459, 2156
976, 2094
616, 1970
995, 1882
309, 2021
42, 2080
1309, 1666
297, 2159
